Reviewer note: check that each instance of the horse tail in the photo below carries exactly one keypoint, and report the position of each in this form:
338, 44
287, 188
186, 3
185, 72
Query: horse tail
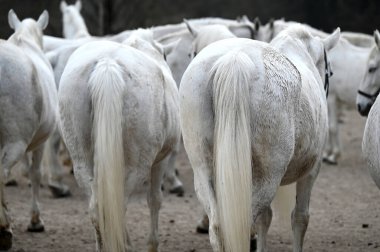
106, 88
232, 149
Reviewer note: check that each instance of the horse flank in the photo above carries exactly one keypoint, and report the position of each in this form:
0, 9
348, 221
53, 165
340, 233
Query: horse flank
106, 85
232, 166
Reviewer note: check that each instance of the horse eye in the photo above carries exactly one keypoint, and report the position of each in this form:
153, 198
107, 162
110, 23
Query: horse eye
189, 55
372, 69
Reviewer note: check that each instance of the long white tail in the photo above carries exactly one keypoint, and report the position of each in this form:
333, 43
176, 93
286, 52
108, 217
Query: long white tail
106, 86
232, 149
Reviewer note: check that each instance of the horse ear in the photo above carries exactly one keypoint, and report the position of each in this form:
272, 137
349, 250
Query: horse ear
332, 40
13, 20
191, 29
257, 23
376, 35
43, 20
78, 5
63, 5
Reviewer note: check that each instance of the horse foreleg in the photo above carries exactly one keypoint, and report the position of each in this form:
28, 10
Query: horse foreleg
300, 214
332, 150
56, 186
176, 186
154, 201
36, 224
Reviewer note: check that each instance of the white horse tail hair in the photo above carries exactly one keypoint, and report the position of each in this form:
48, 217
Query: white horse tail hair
106, 87
232, 149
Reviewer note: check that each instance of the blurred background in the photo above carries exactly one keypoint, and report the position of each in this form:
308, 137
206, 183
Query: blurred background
113, 16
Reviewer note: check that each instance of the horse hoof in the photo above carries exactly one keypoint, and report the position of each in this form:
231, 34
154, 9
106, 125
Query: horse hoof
253, 244
202, 229
60, 192
11, 182
329, 161
36, 227
5, 240
178, 190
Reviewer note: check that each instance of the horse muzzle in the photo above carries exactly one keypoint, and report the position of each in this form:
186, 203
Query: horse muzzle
364, 108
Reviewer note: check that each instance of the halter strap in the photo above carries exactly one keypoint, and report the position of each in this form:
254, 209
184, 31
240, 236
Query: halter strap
328, 74
369, 96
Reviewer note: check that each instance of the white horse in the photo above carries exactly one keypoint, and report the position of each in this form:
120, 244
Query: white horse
119, 118
242, 103
73, 23
369, 89
369, 105
27, 112
348, 63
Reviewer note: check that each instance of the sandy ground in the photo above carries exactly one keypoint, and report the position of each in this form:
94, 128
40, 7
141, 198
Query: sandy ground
345, 209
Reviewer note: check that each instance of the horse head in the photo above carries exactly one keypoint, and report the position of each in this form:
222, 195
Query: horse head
28, 29
369, 88
73, 22
142, 40
205, 35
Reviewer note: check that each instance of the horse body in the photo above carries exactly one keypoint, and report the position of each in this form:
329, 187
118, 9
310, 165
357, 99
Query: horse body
270, 95
146, 103
28, 110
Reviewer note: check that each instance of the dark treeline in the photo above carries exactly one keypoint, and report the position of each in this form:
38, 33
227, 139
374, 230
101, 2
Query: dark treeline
112, 16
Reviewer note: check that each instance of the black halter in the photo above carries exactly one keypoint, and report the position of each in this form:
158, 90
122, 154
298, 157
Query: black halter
328, 73
369, 96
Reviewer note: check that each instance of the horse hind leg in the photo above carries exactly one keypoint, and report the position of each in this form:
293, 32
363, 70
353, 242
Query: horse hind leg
262, 226
300, 214
264, 191
332, 150
176, 186
10, 154
36, 223
155, 200
55, 183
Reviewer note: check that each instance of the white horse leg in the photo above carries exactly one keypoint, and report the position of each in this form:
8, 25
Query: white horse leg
262, 226
154, 201
36, 224
9, 155
332, 150
264, 191
56, 186
300, 214
176, 186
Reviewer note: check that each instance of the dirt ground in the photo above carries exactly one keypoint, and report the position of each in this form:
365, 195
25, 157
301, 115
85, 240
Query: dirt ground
345, 209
